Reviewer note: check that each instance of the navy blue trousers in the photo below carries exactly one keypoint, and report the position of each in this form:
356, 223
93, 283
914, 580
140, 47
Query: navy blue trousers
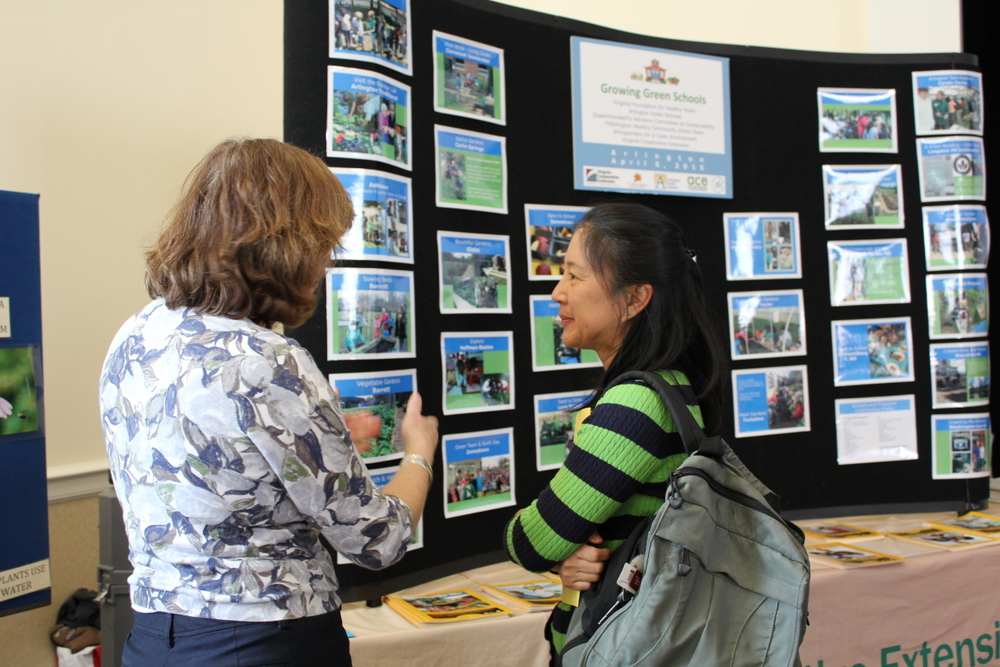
169, 640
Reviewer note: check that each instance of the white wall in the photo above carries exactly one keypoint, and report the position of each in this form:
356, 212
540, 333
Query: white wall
106, 105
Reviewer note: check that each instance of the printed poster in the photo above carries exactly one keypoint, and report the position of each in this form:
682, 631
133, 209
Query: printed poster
548, 351
767, 324
856, 120
958, 305
468, 79
948, 102
956, 237
471, 170
762, 246
478, 372
872, 351
771, 401
863, 196
960, 373
383, 227
375, 33
381, 477
374, 405
962, 446
549, 231
651, 121
368, 116
369, 314
473, 270
951, 168
555, 426
872, 430
18, 398
479, 471
868, 272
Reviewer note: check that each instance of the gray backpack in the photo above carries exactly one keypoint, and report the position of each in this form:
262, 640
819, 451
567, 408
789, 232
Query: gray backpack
716, 578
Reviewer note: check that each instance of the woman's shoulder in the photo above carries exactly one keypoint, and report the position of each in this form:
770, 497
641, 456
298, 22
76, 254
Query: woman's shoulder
631, 390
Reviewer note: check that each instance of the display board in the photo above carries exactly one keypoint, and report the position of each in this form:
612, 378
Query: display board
819, 223
24, 544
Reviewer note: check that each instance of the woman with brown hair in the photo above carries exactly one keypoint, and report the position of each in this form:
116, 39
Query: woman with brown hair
229, 452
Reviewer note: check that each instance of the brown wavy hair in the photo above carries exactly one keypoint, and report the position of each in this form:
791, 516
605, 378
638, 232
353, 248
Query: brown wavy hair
252, 234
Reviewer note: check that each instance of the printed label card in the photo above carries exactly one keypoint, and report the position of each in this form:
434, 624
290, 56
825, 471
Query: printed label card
555, 426
767, 324
855, 120
369, 314
948, 102
771, 401
375, 403
951, 168
383, 227
956, 237
871, 430
549, 231
872, 351
479, 471
368, 117
962, 446
478, 372
868, 272
471, 170
548, 351
468, 79
473, 270
958, 305
960, 373
863, 196
762, 246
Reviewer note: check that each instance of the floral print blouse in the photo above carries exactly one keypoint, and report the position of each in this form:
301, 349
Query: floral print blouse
230, 457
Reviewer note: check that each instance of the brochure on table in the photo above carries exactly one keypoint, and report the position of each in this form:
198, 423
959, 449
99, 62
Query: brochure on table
650, 121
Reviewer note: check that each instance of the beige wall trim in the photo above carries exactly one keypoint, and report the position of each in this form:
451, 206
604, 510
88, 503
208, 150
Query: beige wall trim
77, 480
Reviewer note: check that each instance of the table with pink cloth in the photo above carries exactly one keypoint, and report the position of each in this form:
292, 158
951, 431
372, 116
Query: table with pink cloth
934, 609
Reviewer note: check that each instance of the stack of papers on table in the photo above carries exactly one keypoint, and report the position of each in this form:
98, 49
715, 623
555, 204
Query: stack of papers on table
445, 607
541, 595
848, 556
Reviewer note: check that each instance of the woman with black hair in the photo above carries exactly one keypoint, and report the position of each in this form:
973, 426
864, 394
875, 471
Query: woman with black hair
631, 291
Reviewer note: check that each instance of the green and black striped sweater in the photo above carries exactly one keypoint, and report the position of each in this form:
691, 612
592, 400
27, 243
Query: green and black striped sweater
614, 477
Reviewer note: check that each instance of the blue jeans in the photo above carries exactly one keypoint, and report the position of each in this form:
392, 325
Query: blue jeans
161, 640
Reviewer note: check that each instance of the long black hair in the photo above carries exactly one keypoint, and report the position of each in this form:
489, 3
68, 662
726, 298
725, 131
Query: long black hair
630, 244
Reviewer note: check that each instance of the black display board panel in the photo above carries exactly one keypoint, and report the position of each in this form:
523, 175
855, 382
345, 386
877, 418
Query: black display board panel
776, 167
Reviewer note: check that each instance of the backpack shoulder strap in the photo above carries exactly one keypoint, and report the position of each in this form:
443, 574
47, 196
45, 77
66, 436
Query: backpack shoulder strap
691, 434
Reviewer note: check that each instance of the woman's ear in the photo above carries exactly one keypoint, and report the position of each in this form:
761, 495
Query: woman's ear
638, 298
